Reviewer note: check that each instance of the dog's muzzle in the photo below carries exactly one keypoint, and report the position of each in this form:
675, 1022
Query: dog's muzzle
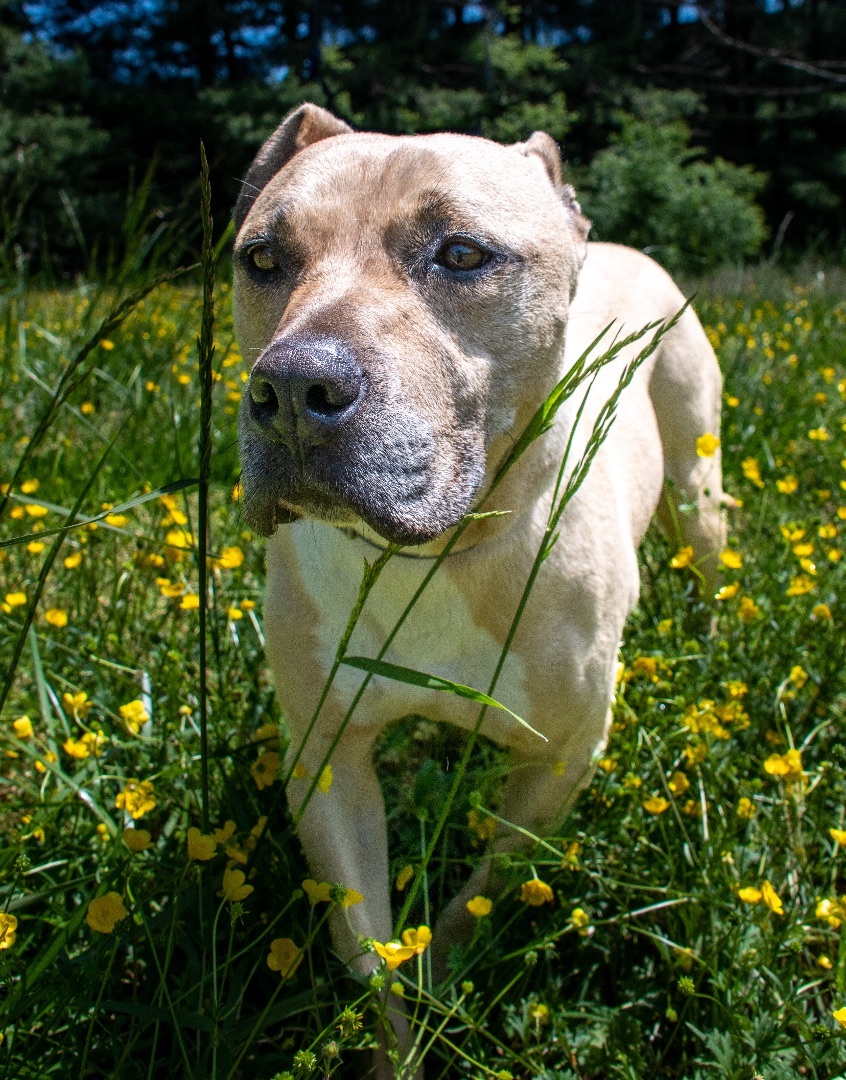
301, 392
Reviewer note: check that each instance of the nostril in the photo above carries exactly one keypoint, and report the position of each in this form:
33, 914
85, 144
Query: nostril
264, 400
319, 401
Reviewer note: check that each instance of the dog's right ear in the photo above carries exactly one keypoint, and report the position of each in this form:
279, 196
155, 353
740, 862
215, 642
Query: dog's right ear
306, 125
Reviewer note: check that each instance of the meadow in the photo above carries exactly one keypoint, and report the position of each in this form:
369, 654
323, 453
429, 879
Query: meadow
156, 915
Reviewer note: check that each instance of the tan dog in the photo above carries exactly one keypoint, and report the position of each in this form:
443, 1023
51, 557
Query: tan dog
405, 305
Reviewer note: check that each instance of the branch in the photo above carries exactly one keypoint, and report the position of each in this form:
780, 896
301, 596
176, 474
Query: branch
767, 54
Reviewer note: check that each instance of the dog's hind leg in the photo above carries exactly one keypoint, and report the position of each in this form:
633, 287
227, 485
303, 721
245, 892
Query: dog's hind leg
540, 789
685, 389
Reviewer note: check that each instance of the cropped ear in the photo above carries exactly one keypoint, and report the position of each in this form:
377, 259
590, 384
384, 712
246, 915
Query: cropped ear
544, 146
306, 125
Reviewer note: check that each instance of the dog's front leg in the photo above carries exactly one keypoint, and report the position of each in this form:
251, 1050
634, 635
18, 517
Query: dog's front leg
344, 835
343, 832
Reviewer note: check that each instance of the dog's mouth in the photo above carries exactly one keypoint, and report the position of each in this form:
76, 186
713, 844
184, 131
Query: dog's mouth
406, 498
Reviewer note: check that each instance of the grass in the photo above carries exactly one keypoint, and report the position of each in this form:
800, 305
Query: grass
695, 927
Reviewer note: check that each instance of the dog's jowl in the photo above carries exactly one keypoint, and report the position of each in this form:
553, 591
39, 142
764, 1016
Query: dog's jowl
405, 304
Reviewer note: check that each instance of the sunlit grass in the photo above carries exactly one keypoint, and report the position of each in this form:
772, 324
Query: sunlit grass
694, 928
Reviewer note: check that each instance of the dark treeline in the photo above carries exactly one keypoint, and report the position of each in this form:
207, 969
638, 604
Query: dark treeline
700, 131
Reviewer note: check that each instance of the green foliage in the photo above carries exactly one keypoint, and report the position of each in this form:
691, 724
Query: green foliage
651, 190
48, 149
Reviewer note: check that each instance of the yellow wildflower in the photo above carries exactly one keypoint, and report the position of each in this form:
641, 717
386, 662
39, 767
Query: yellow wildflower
265, 769
747, 609
838, 836
136, 839
750, 895
56, 617
682, 558
73, 560
78, 704
284, 957
788, 765
8, 930
15, 599
105, 911
393, 953
819, 434
190, 602
29, 487
170, 589
483, 827
317, 892
230, 558
732, 560
727, 592
840, 1016
107, 345
536, 892
49, 757
752, 471
480, 906
678, 783
745, 809
822, 613
22, 727
403, 877
419, 939
86, 408
234, 888
706, 445
580, 920
655, 805
798, 676
137, 798
825, 963
134, 715
324, 782
116, 520
179, 539
787, 485
76, 748
36, 511
771, 898
224, 834
35, 547
201, 847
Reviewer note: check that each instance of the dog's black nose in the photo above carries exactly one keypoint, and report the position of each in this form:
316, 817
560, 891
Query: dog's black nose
303, 389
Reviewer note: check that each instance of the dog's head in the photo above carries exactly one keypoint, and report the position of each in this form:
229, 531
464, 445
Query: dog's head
400, 301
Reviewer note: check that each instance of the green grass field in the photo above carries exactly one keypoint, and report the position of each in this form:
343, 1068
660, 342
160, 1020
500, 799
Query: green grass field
694, 928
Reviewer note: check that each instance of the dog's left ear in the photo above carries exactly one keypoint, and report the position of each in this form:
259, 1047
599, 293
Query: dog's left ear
306, 125
544, 147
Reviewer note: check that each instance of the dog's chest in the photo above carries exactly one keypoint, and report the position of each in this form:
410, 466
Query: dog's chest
440, 636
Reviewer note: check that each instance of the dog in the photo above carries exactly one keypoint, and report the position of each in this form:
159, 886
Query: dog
405, 305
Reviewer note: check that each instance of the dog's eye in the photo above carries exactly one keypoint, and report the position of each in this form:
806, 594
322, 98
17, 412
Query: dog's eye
263, 258
461, 255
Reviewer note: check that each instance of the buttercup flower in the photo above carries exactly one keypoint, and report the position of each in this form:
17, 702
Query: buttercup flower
536, 892
8, 930
224, 834
838, 836
136, 839
800, 585
745, 809
15, 599
752, 471
657, 804
78, 704
134, 715
284, 957
479, 906
419, 939
788, 485
483, 827
678, 783
265, 769
727, 592
317, 892
749, 895
22, 727
325, 781
683, 558
105, 911
732, 560
706, 445
788, 765
201, 847
234, 888
137, 798
840, 1016
230, 558
771, 898
393, 953
580, 920
747, 609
